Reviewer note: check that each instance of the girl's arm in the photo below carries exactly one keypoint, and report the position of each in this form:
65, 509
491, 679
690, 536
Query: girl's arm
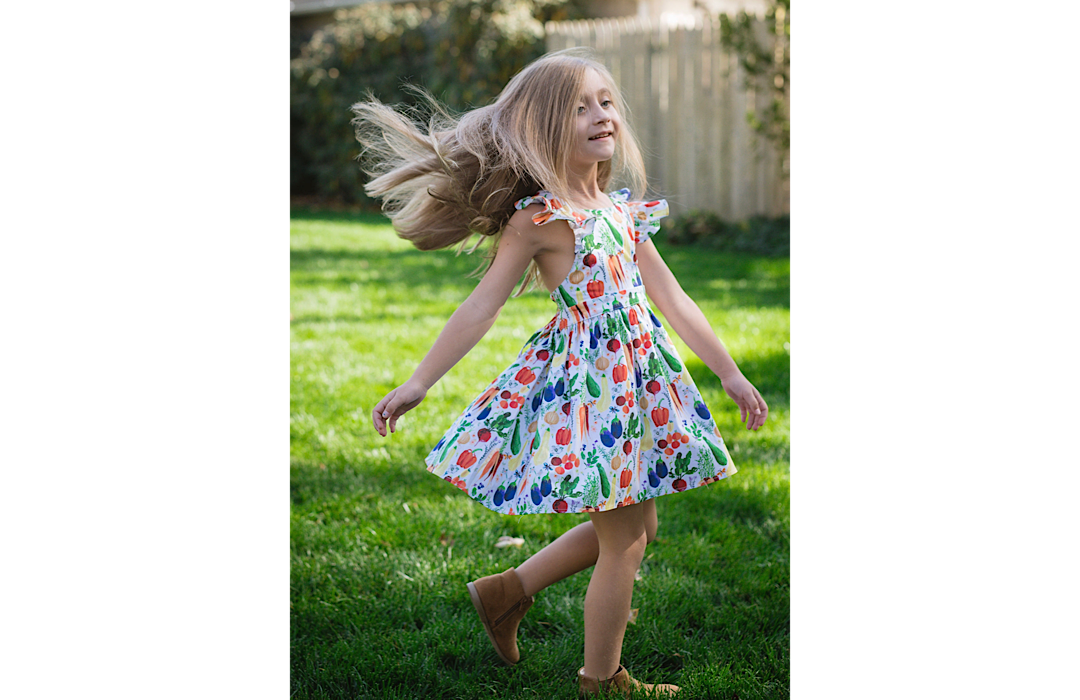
517, 246
687, 320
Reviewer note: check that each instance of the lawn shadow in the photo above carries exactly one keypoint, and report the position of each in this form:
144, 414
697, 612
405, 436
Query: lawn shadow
770, 373
312, 214
732, 279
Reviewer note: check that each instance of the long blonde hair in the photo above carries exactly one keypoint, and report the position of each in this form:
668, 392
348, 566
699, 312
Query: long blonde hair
461, 176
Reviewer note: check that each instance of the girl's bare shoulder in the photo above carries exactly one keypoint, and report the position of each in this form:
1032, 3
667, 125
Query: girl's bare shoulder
522, 219
523, 224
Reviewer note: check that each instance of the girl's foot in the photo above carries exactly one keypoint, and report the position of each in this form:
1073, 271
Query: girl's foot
501, 602
621, 684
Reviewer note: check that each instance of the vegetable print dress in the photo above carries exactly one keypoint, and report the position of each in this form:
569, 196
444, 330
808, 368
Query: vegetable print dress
598, 411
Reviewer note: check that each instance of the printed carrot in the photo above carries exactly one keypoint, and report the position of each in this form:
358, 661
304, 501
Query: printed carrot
676, 401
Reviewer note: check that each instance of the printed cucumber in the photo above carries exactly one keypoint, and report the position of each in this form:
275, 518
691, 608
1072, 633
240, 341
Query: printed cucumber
615, 232
721, 458
515, 440
605, 482
594, 388
567, 299
671, 360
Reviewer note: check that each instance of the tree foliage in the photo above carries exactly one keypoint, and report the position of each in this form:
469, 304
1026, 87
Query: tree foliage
759, 235
462, 51
763, 66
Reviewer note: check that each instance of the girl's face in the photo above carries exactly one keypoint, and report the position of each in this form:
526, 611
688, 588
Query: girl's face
597, 123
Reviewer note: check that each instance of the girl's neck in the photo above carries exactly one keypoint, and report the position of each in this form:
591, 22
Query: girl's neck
585, 189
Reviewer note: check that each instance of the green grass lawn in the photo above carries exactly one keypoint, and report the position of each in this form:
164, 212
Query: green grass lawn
381, 549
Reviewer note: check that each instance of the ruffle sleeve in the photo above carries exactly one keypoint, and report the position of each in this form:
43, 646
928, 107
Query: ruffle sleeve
554, 208
647, 217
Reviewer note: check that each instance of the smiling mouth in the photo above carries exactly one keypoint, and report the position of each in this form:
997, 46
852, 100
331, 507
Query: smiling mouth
600, 136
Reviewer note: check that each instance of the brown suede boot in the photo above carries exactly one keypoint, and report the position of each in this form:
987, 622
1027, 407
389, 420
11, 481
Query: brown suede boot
621, 684
501, 602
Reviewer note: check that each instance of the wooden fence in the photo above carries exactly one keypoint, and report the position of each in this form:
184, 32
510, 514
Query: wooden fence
688, 107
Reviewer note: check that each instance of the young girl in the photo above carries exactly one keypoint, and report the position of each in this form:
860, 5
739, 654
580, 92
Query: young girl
598, 414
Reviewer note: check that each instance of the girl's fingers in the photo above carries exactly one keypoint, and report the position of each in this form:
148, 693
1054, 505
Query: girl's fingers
381, 412
396, 409
394, 405
762, 410
391, 413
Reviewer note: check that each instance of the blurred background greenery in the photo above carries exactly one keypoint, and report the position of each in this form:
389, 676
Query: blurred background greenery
463, 52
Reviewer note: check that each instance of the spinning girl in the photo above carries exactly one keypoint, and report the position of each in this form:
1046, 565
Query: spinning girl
598, 413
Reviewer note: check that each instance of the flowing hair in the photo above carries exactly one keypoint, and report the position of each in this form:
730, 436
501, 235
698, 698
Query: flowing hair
456, 176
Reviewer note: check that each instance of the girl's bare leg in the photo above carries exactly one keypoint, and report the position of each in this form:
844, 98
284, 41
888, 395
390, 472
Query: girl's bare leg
622, 538
575, 550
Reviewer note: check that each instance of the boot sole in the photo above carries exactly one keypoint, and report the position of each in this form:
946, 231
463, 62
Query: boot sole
483, 619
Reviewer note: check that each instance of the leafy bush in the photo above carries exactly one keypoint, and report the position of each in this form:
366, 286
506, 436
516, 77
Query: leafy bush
462, 51
759, 234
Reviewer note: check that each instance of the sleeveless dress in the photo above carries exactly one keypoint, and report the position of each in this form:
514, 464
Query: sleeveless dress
598, 411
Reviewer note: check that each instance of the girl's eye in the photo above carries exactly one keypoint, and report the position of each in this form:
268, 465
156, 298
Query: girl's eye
605, 103
580, 109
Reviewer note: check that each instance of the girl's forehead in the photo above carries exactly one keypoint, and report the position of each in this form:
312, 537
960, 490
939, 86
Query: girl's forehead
594, 83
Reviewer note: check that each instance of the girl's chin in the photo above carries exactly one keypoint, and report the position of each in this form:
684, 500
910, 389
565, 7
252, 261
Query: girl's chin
604, 148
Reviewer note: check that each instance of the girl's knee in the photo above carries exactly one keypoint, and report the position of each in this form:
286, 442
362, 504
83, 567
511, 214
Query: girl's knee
636, 549
620, 531
649, 516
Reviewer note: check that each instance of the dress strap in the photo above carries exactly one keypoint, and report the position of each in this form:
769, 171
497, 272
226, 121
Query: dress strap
554, 208
646, 216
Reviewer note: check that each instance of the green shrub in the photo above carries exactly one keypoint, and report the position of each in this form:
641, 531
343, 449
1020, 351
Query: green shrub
462, 51
759, 235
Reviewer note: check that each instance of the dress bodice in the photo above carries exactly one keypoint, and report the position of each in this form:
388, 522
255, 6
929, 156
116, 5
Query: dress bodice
604, 276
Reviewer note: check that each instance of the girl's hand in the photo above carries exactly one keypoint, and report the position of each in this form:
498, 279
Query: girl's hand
395, 404
752, 407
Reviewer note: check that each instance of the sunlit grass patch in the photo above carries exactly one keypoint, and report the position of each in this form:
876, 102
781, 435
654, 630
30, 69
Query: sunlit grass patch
381, 549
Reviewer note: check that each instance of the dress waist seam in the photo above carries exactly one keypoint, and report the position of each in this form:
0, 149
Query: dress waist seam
599, 306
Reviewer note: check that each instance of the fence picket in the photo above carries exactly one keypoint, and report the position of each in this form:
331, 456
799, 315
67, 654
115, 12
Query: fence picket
688, 105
